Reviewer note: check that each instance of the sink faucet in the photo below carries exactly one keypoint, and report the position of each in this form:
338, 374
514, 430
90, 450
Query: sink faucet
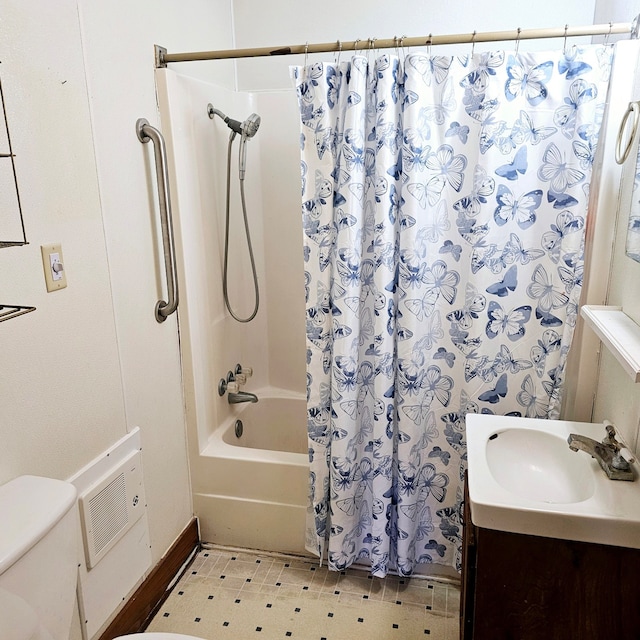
607, 453
241, 396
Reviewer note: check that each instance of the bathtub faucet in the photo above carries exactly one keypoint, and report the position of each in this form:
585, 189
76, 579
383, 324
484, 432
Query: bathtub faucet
241, 396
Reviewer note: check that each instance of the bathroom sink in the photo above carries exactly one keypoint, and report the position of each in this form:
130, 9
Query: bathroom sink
523, 478
539, 466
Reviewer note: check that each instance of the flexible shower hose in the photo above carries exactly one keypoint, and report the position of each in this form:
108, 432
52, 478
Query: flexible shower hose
226, 243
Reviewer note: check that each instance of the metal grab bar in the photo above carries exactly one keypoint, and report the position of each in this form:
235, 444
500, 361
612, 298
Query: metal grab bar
146, 132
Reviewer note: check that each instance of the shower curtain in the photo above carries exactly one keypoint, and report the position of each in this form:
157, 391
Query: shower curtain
443, 205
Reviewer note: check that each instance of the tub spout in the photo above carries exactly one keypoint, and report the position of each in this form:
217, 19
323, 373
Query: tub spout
241, 396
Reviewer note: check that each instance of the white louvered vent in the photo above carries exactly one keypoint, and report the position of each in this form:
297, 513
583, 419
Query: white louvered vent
110, 507
108, 513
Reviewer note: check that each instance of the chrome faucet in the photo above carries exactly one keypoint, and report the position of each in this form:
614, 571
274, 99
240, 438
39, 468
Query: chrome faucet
607, 453
241, 396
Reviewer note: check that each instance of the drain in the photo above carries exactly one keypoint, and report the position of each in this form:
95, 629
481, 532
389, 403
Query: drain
239, 428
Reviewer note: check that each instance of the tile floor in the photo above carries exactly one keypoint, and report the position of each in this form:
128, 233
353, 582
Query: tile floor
244, 594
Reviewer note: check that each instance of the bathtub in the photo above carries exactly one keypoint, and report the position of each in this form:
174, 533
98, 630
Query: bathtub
276, 424
252, 490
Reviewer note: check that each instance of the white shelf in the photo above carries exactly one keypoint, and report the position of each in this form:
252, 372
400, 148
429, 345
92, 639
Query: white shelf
619, 333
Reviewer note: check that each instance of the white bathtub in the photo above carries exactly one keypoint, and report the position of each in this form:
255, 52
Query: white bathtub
252, 491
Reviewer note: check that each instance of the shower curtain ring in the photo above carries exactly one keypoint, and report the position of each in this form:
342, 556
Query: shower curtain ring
473, 42
355, 44
401, 41
339, 52
564, 48
518, 41
306, 53
606, 38
429, 43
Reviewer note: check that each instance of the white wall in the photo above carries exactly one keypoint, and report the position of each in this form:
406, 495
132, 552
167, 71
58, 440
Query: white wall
615, 11
617, 397
282, 22
62, 398
91, 362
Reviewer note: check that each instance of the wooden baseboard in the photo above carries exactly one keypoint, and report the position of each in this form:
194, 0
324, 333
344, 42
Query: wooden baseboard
148, 598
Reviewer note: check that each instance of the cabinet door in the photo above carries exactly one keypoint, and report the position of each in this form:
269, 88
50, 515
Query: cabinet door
533, 588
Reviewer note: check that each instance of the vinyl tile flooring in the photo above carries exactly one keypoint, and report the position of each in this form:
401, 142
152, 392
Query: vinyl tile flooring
242, 594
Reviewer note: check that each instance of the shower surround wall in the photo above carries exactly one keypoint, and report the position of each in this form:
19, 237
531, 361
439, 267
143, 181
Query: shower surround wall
235, 503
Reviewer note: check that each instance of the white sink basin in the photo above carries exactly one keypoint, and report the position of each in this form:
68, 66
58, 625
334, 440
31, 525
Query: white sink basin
539, 466
523, 478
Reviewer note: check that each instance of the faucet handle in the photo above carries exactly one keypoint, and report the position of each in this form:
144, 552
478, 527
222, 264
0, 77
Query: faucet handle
245, 371
621, 449
611, 432
233, 386
627, 455
241, 378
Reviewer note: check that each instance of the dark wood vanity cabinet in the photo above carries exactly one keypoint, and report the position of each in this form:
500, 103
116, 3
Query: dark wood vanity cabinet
521, 587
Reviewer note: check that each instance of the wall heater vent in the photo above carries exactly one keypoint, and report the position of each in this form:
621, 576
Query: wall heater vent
108, 513
110, 507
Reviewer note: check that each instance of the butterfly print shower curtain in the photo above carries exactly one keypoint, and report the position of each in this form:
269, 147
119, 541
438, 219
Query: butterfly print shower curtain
443, 206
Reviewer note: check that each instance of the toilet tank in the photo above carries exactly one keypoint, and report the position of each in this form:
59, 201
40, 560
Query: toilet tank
39, 550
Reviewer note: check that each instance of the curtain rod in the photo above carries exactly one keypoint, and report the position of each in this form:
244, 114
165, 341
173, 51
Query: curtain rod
163, 57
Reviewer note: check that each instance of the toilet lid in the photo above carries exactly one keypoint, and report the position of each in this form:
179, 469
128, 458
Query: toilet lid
157, 636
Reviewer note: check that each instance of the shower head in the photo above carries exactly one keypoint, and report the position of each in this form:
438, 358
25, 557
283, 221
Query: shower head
250, 125
247, 129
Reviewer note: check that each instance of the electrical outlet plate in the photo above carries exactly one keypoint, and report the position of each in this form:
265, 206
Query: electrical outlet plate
53, 265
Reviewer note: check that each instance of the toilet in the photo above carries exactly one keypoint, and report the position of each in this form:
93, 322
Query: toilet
38, 561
